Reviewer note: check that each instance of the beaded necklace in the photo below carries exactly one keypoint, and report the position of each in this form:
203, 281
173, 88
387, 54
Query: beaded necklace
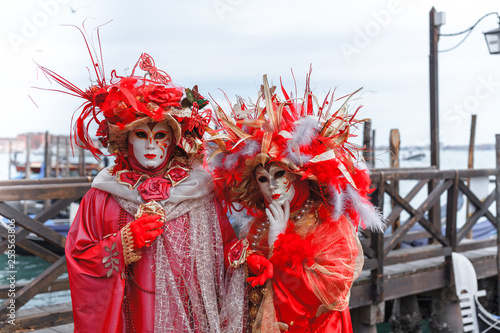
263, 228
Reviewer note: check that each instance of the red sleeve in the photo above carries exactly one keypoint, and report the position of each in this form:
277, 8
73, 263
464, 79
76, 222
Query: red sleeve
95, 264
316, 270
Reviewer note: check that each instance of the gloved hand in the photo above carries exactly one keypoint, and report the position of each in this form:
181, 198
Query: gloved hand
278, 219
261, 267
146, 228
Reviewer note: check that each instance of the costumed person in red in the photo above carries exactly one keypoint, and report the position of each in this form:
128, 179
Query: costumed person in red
146, 250
289, 163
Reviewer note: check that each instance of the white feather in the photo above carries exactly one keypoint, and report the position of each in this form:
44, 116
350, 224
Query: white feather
304, 131
230, 160
298, 159
369, 215
337, 201
251, 148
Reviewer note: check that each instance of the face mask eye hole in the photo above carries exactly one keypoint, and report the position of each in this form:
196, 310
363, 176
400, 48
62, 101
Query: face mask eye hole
141, 135
262, 179
160, 135
279, 174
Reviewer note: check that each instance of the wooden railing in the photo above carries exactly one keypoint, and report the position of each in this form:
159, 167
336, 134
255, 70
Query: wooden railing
57, 194
383, 249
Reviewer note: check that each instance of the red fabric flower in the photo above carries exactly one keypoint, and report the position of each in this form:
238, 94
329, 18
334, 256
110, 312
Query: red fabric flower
163, 96
130, 178
177, 174
156, 188
236, 251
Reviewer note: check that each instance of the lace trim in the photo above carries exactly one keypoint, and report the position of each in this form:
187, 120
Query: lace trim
129, 254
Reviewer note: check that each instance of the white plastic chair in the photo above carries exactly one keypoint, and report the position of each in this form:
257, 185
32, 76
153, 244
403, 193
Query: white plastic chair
466, 289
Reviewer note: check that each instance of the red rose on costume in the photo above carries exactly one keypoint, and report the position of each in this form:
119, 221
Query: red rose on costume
236, 251
157, 188
163, 96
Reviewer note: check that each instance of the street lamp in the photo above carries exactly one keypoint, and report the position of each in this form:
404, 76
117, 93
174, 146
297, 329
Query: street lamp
493, 40
436, 20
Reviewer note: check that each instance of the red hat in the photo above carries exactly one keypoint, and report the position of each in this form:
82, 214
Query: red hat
122, 103
305, 138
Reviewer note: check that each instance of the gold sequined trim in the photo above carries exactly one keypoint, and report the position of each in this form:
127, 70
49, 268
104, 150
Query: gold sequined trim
129, 254
150, 208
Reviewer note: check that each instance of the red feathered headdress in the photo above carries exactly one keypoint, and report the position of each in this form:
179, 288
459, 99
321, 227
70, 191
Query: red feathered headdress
304, 137
120, 104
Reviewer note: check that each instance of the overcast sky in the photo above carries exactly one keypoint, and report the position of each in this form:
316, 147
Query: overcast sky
228, 45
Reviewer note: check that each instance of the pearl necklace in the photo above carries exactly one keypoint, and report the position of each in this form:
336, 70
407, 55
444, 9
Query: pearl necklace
297, 216
264, 226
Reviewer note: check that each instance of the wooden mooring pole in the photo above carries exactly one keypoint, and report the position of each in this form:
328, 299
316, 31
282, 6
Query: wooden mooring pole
470, 163
10, 159
367, 143
394, 143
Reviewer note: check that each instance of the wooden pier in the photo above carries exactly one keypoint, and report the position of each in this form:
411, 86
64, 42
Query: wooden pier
390, 273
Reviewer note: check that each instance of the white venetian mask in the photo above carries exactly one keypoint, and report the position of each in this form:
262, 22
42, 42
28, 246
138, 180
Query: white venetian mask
275, 183
150, 143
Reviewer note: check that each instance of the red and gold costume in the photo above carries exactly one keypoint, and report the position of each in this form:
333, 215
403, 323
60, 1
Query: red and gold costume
146, 250
317, 256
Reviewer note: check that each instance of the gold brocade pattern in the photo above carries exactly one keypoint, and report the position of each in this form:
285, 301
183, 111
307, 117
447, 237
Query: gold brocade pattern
129, 254
265, 320
150, 208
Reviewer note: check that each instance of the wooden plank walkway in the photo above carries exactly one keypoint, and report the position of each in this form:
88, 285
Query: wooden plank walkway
419, 276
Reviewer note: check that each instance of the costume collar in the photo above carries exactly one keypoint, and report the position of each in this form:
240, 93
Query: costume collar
196, 184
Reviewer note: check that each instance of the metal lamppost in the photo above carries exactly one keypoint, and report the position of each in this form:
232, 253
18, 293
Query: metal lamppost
436, 19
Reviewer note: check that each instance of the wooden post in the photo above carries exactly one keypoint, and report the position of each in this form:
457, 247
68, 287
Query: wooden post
470, 164
47, 155
367, 143
10, 159
81, 162
372, 154
394, 143
435, 211
433, 85
472, 141
68, 146
497, 198
58, 161
27, 170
